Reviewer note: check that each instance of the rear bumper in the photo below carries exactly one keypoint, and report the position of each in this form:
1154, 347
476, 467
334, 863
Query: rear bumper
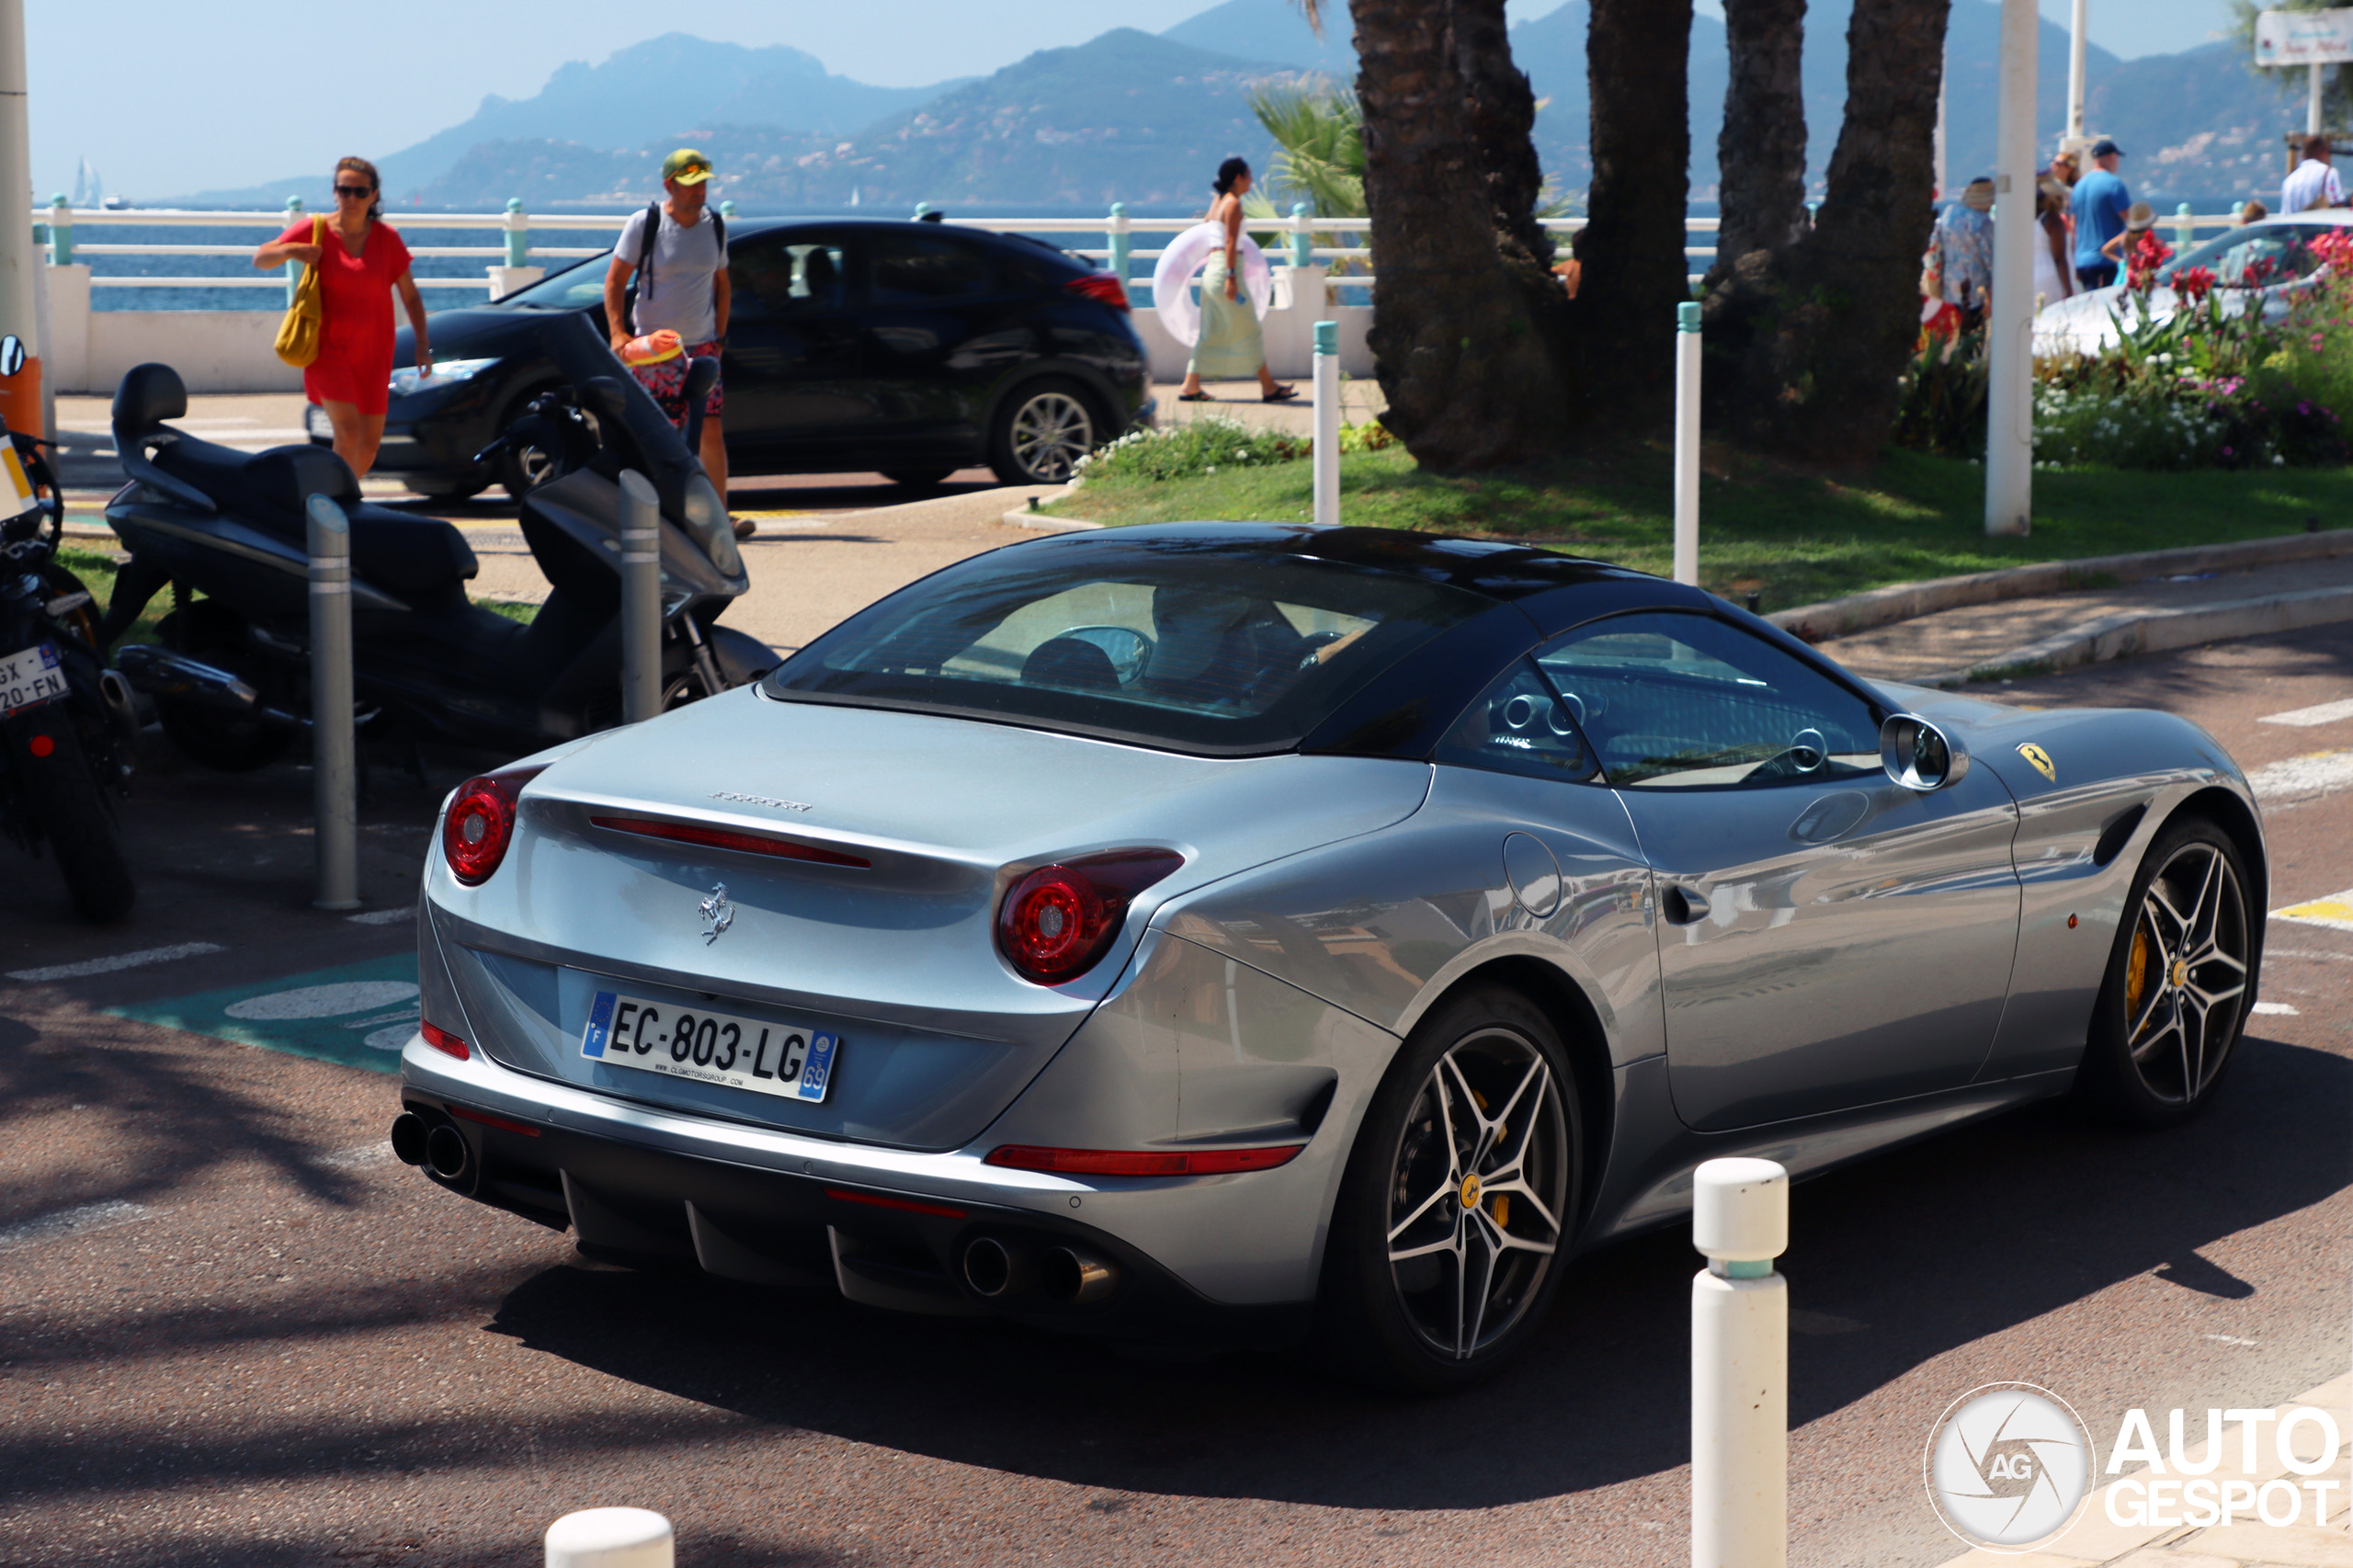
886, 1228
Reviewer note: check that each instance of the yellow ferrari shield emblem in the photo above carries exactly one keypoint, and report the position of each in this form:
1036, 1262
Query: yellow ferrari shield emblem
2039, 760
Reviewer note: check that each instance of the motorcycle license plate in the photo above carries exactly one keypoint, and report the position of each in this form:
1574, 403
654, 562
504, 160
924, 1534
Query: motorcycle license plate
30, 678
709, 1046
20, 498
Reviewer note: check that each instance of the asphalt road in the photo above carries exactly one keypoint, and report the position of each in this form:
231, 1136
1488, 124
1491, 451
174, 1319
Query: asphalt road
233, 1332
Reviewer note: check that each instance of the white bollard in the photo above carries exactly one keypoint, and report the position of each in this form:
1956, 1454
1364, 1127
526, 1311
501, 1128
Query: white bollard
611, 1538
640, 599
1740, 1367
334, 786
1686, 443
1327, 421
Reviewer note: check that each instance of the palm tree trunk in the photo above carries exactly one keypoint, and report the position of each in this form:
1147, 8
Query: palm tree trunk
1637, 59
1469, 333
1762, 149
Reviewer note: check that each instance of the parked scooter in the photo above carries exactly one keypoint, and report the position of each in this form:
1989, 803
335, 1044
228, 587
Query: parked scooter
65, 720
231, 681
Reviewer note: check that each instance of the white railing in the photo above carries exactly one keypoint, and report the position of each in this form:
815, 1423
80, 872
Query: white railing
1300, 234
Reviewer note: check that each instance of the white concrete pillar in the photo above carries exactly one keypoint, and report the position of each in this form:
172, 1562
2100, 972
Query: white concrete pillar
69, 327
506, 280
2009, 326
1740, 1367
611, 1538
20, 395
1290, 324
2078, 37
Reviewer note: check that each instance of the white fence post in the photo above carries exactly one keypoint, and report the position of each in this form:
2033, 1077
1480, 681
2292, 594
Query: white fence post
334, 765
294, 268
1740, 1367
611, 1538
1327, 422
1687, 442
1116, 240
640, 599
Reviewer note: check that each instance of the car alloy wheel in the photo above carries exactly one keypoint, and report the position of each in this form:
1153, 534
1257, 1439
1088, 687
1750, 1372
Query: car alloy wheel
2186, 975
1050, 431
1476, 1190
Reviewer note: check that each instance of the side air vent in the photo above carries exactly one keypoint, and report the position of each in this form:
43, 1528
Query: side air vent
2116, 834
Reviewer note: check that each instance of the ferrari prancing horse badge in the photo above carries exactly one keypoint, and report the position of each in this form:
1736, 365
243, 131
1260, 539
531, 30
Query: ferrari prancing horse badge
2039, 760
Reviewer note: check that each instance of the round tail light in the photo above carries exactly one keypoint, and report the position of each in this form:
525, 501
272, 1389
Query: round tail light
1058, 920
480, 824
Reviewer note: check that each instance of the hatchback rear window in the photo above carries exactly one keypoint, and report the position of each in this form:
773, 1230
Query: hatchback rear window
1173, 643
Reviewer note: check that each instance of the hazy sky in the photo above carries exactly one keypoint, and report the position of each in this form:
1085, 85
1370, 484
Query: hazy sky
167, 97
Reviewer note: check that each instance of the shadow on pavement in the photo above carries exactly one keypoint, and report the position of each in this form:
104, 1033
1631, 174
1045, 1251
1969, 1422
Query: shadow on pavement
1923, 1251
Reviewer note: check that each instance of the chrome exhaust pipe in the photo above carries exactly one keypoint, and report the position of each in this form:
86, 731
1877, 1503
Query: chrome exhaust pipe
996, 1271
1074, 1277
409, 1138
162, 673
446, 1154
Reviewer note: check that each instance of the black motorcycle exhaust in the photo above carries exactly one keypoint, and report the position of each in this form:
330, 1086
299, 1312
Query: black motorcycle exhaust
159, 672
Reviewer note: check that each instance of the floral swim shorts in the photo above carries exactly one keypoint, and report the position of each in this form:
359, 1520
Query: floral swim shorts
667, 383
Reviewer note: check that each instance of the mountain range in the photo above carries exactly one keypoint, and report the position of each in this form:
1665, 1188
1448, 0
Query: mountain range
1145, 118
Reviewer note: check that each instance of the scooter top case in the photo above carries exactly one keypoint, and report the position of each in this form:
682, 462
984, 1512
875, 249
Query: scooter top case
231, 523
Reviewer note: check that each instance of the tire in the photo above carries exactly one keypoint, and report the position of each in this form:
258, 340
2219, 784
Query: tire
1390, 1319
78, 820
917, 478
1042, 430
2179, 983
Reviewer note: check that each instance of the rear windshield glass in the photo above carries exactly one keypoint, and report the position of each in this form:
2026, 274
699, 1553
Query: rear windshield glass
1169, 643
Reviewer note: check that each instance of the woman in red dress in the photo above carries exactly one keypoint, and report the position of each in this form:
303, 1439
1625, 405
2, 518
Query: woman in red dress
360, 265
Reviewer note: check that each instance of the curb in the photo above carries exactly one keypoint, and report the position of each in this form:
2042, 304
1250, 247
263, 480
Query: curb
1029, 517
1905, 601
2154, 631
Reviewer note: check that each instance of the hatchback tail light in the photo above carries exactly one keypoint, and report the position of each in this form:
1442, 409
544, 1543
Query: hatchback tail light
1057, 921
481, 823
1103, 286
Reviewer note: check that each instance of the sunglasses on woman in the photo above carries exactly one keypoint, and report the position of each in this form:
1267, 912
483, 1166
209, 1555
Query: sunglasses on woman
357, 192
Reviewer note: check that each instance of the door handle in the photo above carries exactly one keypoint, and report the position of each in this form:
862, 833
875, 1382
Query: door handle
1681, 907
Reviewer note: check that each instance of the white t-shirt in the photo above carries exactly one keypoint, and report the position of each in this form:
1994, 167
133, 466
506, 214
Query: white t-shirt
2315, 184
685, 261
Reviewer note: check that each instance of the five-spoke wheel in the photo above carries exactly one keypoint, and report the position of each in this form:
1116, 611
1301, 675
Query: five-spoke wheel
2179, 983
1041, 432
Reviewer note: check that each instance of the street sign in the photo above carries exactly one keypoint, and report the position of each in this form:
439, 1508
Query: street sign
2303, 38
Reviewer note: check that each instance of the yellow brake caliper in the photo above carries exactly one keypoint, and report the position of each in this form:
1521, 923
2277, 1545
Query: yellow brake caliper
2136, 974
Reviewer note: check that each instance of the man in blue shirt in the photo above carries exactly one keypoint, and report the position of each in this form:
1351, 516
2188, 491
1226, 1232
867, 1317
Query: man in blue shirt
2100, 202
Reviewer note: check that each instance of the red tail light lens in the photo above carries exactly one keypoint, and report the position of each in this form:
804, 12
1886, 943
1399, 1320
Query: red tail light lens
481, 823
1141, 1162
441, 1039
1103, 286
1058, 920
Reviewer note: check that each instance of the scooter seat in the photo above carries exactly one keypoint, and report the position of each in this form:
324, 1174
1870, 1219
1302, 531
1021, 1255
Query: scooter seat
409, 556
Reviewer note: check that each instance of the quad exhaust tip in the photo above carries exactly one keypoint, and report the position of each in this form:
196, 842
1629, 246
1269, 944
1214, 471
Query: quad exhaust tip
997, 1270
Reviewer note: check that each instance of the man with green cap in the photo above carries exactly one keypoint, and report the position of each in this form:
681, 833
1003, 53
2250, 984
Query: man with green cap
678, 253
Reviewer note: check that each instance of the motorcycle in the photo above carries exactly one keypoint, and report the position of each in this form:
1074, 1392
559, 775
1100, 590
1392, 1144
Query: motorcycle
231, 680
65, 719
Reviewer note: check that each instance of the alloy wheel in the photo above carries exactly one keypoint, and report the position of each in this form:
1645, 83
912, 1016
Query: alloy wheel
2185, 974
1477, 1190
1051, 432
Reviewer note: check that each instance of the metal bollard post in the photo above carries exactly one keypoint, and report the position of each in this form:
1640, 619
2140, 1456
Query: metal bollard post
1687, 442
1327, 422
61, 231
1740, 1367
335, 783
1303, 235
611, 1538
294, 268
1115, 238
640, 599
519, 234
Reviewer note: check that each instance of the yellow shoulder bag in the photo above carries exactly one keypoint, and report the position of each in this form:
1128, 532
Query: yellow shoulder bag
298, 335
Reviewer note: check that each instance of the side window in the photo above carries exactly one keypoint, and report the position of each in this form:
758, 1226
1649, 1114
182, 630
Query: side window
926, 270
772, 280
1679, 700
1520, 725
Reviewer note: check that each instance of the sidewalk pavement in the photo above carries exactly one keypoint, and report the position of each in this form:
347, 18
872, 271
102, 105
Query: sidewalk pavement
2098, 1541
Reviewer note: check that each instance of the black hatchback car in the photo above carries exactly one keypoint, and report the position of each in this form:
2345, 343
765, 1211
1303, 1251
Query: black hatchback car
908, 348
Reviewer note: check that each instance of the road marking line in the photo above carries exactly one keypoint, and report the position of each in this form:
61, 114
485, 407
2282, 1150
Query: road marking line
381, 916
2317, 714
2230, 1339
120, 960
2334, 912
2301, 777
358, 1155
2307, 953
2277, 1010
72, 1222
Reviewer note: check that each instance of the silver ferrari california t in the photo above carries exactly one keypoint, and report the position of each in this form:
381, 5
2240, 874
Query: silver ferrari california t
1241, 932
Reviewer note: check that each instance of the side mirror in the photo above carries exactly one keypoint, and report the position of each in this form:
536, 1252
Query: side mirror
1919, 756
12, 354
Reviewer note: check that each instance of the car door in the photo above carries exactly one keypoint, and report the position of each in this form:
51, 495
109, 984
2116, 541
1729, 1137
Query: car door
1827, 938
795, 391
940, 321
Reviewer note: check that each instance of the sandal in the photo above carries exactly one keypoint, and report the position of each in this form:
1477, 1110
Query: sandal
1280, 394
1193, 397
744, 527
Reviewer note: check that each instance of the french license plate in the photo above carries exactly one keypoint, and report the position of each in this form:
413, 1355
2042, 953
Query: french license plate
30, 678
709, 1046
